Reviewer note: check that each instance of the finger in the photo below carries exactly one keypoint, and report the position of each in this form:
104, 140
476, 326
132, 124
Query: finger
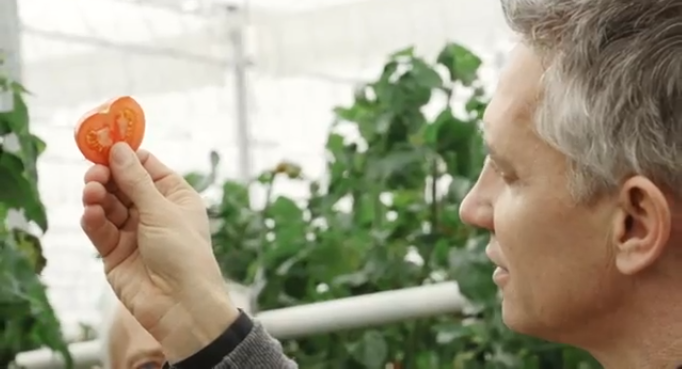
123, 198
103, 234
102, 174
115, 210
127, 243
98, 173
156, 169
166, 180
133, 179
94, 193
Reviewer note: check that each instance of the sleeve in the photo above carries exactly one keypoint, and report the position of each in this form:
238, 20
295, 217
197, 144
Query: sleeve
244, 345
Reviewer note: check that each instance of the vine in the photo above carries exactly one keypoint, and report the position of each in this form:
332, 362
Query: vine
27, 321
401, 184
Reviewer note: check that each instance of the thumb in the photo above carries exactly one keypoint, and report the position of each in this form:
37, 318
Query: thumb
132, 178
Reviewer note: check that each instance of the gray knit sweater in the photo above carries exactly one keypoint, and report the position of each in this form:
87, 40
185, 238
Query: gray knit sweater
258, 351
244, 345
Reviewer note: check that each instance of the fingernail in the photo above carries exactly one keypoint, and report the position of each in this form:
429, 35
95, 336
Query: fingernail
121, 154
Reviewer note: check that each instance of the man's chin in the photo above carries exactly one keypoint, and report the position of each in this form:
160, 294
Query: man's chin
519, 321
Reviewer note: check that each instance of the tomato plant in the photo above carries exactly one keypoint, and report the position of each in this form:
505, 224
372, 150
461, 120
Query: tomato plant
403, 181
27, 320
118, 120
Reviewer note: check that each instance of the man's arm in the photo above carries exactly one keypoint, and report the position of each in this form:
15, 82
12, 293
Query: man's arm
244, 345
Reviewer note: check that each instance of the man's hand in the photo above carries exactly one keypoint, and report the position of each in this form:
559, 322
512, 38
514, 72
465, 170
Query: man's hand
152, 231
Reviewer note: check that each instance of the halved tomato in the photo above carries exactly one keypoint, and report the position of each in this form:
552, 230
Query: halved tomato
118, 120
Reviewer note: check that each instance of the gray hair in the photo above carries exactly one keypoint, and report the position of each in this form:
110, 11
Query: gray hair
612, 97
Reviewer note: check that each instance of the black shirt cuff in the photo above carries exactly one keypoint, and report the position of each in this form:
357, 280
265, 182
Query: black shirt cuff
214, 353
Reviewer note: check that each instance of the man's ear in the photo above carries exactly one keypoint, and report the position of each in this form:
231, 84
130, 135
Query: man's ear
641, 228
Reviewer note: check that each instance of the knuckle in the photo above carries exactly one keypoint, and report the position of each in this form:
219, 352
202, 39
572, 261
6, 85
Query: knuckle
139, 179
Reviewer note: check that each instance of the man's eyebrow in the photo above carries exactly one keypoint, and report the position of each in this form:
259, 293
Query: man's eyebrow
494, 155
488, 148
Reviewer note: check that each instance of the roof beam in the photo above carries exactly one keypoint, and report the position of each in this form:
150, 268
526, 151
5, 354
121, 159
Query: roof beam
349, 37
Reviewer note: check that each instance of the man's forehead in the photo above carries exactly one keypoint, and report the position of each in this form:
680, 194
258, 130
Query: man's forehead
517, 91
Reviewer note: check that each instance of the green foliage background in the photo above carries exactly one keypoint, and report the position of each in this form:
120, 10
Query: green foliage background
401, 184
27, 320
393, 192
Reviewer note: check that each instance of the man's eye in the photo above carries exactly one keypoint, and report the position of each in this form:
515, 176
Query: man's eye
506, 176
495, 168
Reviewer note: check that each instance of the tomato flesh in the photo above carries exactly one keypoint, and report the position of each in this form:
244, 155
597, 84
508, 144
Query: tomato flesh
118, 120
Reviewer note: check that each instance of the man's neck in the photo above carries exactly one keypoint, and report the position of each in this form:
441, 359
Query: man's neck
644, 357
648, 336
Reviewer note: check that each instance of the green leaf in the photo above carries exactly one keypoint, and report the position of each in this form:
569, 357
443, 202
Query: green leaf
456, 141
426, 75
266, 177
27, 320
31, 247
335, 144
17, 192
406, 52
5, 127
394, 163
18, 118
371, 350
38, 144
284, 209
235, 195
473, 272
367, 226
450, 332
461, 63
198, 181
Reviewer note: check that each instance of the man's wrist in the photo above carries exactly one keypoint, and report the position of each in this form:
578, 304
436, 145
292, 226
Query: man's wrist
216, 352
196, 324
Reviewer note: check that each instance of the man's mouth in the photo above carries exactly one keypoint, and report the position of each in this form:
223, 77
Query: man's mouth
501, 273
494, 256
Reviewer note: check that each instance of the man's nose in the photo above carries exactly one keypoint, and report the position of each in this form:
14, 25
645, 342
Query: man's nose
476, 211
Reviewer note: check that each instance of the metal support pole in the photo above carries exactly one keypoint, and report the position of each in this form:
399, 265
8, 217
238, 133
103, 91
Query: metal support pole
10, 41
10, 52
236, 33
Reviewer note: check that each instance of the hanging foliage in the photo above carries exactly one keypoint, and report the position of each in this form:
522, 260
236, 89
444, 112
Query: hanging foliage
27, 320
386, 217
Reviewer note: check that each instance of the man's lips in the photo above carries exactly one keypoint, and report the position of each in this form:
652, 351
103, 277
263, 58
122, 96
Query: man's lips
494, 256
501, 273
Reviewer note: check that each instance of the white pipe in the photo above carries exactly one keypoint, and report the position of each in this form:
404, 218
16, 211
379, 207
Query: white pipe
348, 313
85, 354
363, 311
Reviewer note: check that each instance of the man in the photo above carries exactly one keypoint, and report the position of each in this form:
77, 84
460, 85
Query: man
582, 187
582, 194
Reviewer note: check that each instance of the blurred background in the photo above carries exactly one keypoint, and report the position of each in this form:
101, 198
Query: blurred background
255, 81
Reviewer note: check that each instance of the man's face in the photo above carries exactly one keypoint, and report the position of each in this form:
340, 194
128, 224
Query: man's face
556, 269
131, 347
